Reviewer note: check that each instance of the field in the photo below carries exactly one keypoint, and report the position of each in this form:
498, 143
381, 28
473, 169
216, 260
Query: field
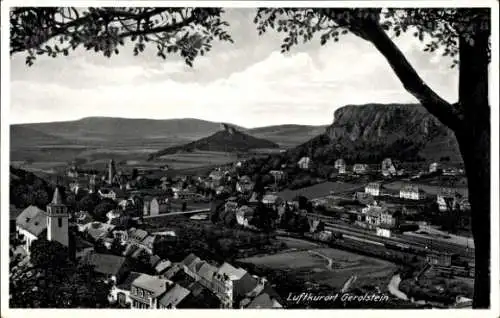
326, 266
197, 159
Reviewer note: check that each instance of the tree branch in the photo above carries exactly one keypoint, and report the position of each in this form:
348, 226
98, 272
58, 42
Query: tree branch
165, 28
412, 82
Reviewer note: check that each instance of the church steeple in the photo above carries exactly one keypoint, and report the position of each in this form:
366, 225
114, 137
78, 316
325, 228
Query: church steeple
57, 199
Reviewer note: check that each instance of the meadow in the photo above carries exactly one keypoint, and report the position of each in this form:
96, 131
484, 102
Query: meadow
326, 266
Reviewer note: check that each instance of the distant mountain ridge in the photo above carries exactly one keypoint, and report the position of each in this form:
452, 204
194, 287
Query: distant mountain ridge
112, 131
228, 139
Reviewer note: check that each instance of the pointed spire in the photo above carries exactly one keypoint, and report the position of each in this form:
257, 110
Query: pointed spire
57, 199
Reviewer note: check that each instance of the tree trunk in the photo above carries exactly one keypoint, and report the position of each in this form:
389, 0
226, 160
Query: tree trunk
474, 142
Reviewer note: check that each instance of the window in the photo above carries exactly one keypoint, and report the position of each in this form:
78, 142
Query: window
59, 222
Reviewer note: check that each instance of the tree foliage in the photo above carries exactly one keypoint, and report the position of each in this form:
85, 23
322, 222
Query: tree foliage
55, 282
55, 31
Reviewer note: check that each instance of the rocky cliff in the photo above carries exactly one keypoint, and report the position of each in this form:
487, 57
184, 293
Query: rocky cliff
371, 132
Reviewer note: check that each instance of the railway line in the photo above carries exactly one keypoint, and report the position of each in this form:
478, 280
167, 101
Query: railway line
399, 239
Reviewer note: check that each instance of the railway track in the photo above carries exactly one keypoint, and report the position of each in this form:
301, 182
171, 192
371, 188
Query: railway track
416, 244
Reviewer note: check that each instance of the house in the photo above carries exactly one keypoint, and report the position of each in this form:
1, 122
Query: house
231, 206
113, 214
216, 177
233, 283
383, 231
98, 230
126, 204
340, 165
439, 258
205, 274
154, 260
272, 201
245, 185
373, 189
412, 192
111, 267
162, 266
389, 218
136, 236
244, 215
305, 163
464, 204
30, 225
147, 290
434, 167
107, 193
372, 214
173, 297
159, 206
200, 297
120, 293
278, 175
189, 263
264, 300
388, 168
359, 168
447, 198
146, 205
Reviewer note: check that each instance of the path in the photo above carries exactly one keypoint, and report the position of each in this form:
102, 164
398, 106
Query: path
330, 261
394, 287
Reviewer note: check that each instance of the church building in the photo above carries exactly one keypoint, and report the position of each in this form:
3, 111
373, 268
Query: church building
34, 223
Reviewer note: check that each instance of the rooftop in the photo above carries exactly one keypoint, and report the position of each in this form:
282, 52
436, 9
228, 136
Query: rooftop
33, 220
232, 272
174, 296
126, 283
57, 198
151, 283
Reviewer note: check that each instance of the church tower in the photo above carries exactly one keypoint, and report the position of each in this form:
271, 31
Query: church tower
57, 220
111, 171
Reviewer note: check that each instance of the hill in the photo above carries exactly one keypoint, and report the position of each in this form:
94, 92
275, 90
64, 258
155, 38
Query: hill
288, 135
228, 139
114, 131
109, 132
369, 133
22, 136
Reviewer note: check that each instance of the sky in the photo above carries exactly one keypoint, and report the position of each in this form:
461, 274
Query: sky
248, 83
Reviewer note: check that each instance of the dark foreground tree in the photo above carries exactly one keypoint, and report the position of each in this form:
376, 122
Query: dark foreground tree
462, 34
54, 281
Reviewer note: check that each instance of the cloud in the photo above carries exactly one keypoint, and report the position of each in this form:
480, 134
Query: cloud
248, 83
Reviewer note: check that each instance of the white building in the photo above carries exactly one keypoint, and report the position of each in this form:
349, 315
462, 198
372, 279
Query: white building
373, 189
412, 192
434, 167
360, 168
384, 232
305, 163
107, 193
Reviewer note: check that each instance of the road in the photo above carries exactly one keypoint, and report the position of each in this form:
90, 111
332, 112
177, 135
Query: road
173, 213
